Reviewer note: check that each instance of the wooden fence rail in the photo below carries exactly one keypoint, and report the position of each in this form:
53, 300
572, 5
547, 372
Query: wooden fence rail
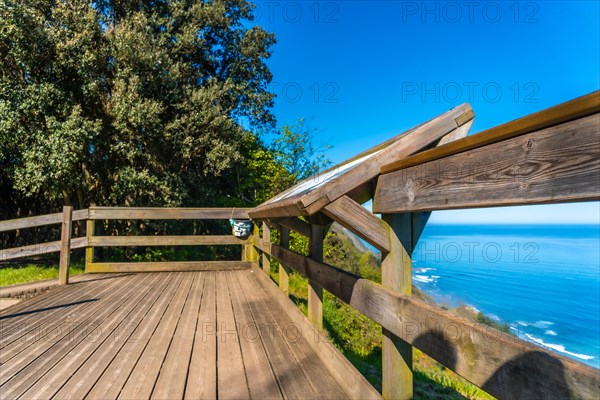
90, 241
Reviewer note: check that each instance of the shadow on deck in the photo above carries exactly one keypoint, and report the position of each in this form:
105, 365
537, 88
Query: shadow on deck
214, 334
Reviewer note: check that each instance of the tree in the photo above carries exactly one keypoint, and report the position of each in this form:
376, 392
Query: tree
270, 169
127, 102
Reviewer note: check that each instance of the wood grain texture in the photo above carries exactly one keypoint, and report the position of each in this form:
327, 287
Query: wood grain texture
65, 246
23, 370
41, 248
557, 164
202, 371
81, 382
90, 230
262, 381
232, 382
351, 380
249, 253
186, 240
112, 380
360, 221
30, 222
485, 356
284, 270
266, 259
396, 274
173, 375
53, 380
109, 267
311, 201
96, 213
315, 291
301, 358
564, 112
297, 225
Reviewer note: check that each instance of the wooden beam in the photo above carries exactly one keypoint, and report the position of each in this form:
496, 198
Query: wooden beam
186, 240
266, 258
396, 274
166, 213
490, 359
315, 291
351, 380
360, 221
249, 253
297, 225
65, 246
311, 195
564, 112
556, 164
79, 215
173, 266
90, 228
284, 270
30, 222
38, 249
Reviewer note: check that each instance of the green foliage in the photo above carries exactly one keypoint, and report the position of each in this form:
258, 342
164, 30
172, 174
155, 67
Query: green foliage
295, 150
33, 273
484, 319
127, 102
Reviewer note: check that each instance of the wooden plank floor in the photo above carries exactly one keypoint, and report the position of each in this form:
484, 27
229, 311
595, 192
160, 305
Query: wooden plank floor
194, 335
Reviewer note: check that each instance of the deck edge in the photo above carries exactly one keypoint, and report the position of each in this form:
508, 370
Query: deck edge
352, 382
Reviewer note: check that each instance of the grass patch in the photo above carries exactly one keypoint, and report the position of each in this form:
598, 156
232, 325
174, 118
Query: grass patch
32, 273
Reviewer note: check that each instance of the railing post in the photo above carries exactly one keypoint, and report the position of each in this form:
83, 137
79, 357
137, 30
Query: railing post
266, 259
315, 292
249, 252
65, 245
284, 271
397, 382
89, 250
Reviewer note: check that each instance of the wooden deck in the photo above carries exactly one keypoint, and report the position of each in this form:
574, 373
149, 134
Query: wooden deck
216, 334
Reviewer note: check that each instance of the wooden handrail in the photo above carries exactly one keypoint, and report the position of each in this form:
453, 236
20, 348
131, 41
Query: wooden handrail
564, 112
96, 213
66, 244
553, 165
490, 359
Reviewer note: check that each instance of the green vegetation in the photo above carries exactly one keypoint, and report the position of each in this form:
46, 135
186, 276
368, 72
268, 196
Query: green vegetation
33, 273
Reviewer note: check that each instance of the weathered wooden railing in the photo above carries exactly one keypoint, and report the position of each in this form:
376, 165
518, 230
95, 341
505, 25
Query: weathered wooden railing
90, 241
549, 157
63, 246
130, 213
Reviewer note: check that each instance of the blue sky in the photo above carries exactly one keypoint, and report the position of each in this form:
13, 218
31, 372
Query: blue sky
360, 72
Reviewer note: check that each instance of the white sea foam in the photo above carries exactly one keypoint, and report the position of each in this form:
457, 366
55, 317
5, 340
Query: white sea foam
475, 309
557, 347
550, 332
537, 324
424, 269
423, 278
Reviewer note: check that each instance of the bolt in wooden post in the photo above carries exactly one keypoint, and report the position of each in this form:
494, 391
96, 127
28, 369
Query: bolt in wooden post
315, 292
89, 250
65, 246
266, 259
397, 379
284, 272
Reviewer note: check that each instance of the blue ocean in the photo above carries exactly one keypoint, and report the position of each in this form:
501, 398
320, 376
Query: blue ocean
542, 280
